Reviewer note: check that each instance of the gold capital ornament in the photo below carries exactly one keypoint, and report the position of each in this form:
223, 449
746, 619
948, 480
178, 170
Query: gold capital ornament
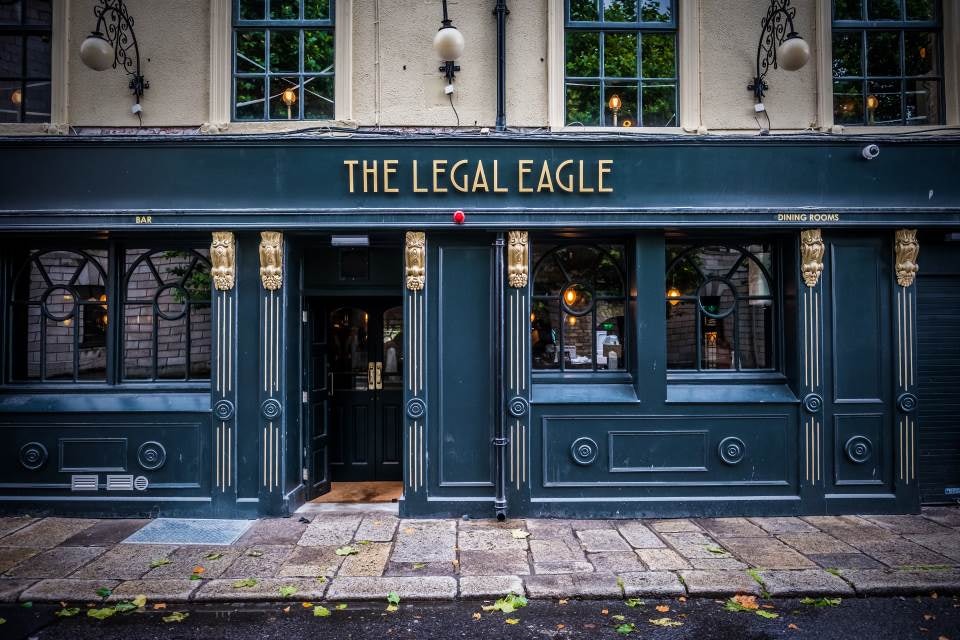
811, 256
223, 260
907, 249
415, 259
271, 259
517, 259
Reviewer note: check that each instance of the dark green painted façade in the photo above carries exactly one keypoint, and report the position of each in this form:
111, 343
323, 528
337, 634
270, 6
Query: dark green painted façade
659, 442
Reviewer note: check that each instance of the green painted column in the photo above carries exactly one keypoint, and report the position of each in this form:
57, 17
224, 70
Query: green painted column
906, 250
810, 381
517, 376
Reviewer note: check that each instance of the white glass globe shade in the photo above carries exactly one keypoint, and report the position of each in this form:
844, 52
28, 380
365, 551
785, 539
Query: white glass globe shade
448, 43
793, 53
96, 53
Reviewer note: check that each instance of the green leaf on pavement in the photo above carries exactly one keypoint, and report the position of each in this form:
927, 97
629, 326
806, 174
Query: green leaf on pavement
715, 549
124, 606
196, 576
665, 622
140, 600
159, 562
320, 612
364, 542
634, 603
769, 615
216, 555
418, 565
101, 614
340, 607
512, 620
822, 602
346, 550
245, 583
104, 592
393, 597
3, 621
176, 616
626, 628
26, 605
618, 618
287, 590
508, 604
67, 612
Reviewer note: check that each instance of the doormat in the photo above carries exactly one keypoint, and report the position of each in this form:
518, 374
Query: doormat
189, 531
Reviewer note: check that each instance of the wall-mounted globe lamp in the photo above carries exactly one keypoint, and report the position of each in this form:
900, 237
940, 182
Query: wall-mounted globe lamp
289, 98
780, 46
673, 295
449, 44
113, 42
614, 104
872, 104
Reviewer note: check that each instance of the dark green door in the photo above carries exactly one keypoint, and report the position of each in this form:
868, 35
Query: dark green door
365, 363
316, 397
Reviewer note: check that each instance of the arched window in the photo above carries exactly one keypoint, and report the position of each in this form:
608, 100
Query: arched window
578, 318
720, 307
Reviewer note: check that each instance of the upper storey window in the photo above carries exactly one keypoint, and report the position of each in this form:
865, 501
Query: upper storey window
283, 63
25, 35
887, 62
620, 63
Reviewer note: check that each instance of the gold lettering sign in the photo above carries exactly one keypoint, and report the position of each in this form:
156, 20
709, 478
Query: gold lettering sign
461, 175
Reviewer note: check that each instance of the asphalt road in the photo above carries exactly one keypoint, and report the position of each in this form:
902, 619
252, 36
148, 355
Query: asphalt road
701, 618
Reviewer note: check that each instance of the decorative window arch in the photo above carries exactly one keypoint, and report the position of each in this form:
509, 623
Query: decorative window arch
720, 305
578, 319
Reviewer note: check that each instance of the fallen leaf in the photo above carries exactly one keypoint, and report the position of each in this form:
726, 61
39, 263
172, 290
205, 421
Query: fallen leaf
196, 576
393, 597
662, 608
176, 616
101, 614
716, 550
140, 601
561, 626
306, 605
392, 608
634, 603
198, 569
934, 595
618, 617
364, 542
682, 599
341, 607
623, 629
507, 604
793, 626
604, 612
254, 553
216, 555
821, 602
747, 602
512, 620
477, 616
320, 612
769, 615
561, 601
321, 579
124, 607
767, 606
346, 550
929, 616
104, 592
159, 605
67, 612
159, 562
418, 565
286, 609
245, 583
665, 622
3, 621
287, 590
26, 605
519, 534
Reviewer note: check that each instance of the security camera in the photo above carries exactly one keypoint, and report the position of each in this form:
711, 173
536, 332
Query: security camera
870, 151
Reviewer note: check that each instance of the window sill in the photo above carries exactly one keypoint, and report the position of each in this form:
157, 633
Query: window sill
273, 126
730, 392
626, 131
34, 400
592, 392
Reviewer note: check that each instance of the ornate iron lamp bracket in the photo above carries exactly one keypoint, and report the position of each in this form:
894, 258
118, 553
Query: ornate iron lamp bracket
115, 25
774, 31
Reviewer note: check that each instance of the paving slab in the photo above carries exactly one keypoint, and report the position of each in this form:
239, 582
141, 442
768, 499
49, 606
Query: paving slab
330, 529
311, 562
47, 533
10, 588
9, 524
66, 590
259, 561
787, 524
947, 544
124, 562
567, 566
902, 524
816, 543
889, 582
719, 583
805, 582
639, 535
273, 531
370, 560
651, 583
675, 525
408, 588
421, 569
556, 551
593, 540
768, 553
176, 590
662, 559
490, 586
850, 529
266, 589
492, 563
731, 528
377, 528
425, 541
696, 545
491, 523
947, 516
550, 530
897, 552
489, 539
12, 556
58, 562
575, 585
717, 564
845, 561
106, 533
214, 561
615, 561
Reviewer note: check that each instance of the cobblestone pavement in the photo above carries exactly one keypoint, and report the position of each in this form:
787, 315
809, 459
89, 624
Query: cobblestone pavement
68, 559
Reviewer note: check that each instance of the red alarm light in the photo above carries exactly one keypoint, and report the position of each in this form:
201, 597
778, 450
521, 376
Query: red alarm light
459, 216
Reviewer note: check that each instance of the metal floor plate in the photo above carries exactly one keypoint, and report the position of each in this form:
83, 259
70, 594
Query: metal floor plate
189, 531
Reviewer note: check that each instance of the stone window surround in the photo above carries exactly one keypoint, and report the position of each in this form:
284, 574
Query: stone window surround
824, 60
221, 77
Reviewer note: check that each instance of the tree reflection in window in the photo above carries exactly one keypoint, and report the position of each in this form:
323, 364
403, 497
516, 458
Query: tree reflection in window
578, 318
720, 307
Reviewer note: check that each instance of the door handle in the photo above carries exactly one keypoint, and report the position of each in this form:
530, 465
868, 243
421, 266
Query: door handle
379, 371
330, 384
371, 378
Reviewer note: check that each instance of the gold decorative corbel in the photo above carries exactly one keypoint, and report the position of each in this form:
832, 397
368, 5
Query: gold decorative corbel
223, 260
415, 259
907, 249
811, 256
271, 259
517, 259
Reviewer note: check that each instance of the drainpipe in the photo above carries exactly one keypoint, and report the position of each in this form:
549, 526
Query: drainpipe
501, 12
499, 425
